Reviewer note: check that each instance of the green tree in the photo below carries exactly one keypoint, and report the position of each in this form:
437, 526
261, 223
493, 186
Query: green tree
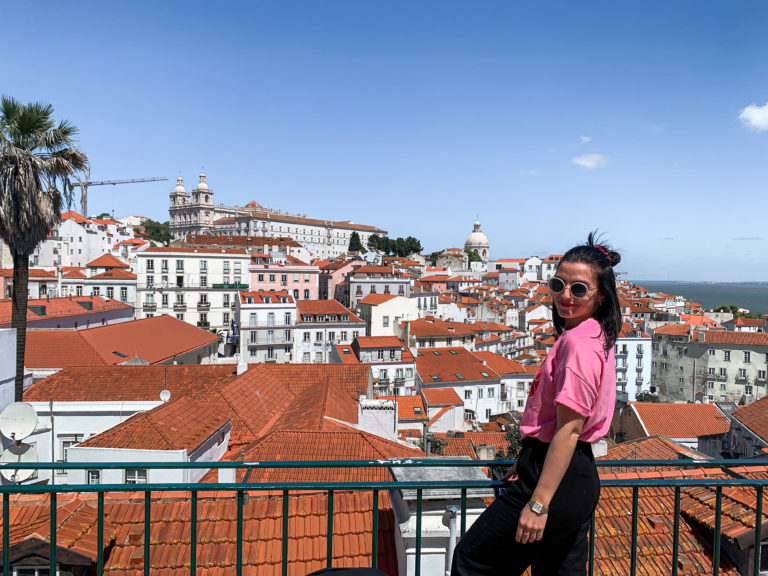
413, 246
473, 256
355, 245
374, 240
514, 445
647, 397
37, 159
157, 231
436, 445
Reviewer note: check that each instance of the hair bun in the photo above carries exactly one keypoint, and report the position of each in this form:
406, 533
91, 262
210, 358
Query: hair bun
615, 257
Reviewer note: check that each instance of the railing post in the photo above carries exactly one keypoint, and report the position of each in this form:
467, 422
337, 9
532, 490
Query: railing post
418, 531
463, 511
592, 544
718, 520
633, 551
758, 528
239, 543
147, 529
285, 533
6, 534
53, 533
676, 532
193, 533
100, 535
329, 530
375, 530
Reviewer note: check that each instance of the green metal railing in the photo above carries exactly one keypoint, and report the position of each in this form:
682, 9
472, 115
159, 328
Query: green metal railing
240, 489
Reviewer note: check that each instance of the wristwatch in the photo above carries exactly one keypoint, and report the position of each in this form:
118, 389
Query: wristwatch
537, 507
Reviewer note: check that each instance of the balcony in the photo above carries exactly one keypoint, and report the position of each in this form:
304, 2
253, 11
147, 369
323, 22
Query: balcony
179, 306
741, 379
203, 306
205, 325
229, 286
149, 306
721, 377
637, 529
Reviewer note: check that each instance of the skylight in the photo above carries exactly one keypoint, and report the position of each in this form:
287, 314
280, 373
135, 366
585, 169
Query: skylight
459, 376
435, 352
485, 374
345, 350
453, 351
436, 378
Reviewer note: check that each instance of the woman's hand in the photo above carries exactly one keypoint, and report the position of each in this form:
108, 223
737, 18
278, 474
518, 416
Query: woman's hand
530, 526
511, 473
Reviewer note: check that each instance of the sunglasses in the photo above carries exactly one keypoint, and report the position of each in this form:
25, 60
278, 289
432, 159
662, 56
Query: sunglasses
578, 289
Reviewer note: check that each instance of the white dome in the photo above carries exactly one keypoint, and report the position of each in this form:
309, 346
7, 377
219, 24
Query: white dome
202, 185
179, 186
477, 239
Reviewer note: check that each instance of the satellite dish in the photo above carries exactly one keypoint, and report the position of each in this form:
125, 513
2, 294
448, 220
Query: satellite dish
17, 421
165, 395
19, 453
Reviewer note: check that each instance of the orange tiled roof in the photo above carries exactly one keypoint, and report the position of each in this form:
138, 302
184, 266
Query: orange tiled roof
673, 330
441, 397
346, 354
431, 326
183, 424
408, 407
451, 365
107, 261
651, 448
376, 299
262, 533
496, 439
680, 420
733, 338
127, 383
379, 342
33, 273
191, 250
213, 240
755, 417
315, 307
499, 364
155, 340
114, 274
62, 307
72, 215
456, 446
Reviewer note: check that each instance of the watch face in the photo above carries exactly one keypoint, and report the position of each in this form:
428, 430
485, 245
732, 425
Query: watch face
537, 507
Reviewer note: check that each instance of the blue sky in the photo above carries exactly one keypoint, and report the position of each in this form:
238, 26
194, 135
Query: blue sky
646, 120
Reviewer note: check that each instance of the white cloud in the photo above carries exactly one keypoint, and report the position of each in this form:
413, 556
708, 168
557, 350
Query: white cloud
591, 161
755, 117
531, 172
585, 139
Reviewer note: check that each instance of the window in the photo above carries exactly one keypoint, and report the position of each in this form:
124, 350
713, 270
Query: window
305, 357
78, 290
261, 277
180, 317
711, 351
284, 278
306, 294
306, 336
711, 371
491, 392
226, 317
746, 357
748, 390
270, 319
203, 265
722, 372
123, 294
203, 281
66, 441
110, 292
164, 266
226, 299
226, 266
318, 357
742, 372
271, 277
380, 354
355, 333
164, 300
287, 335
467, 394
488, 414
94, 476
343, 336
385, 321
150, 265
96, 291
137, 476
727, 355
237, 279
761, 374
296, 294
179, 265
306, 277
270, 337
521, 403
318, 336
331, 336
479, 393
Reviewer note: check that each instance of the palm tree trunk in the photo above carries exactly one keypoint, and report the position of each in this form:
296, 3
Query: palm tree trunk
19, 316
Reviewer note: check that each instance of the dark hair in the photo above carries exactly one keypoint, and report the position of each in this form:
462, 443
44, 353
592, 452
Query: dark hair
603, 258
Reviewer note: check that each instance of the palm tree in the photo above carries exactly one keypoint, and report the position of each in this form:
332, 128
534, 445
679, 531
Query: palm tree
37, 159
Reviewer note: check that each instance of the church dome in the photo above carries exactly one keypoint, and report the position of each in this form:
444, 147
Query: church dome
478, 242
179, 186
202, 185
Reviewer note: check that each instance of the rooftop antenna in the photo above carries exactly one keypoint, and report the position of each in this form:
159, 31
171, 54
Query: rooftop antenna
17, 421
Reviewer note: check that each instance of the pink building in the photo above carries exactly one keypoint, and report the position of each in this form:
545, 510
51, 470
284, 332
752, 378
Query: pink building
332, 274
299, 279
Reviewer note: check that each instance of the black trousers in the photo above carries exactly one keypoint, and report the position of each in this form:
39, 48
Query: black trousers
489, 548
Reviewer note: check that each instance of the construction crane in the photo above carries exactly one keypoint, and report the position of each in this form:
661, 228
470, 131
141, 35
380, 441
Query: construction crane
85, 184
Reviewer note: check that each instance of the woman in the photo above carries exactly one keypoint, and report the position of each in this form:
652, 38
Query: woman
541, 519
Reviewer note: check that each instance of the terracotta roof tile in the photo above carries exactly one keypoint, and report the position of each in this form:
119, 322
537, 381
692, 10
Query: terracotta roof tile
755, 417
314, 307
441, 397
408, 407
107, 261
451, 365
176, 425
376, 299
680, 420
44, 308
